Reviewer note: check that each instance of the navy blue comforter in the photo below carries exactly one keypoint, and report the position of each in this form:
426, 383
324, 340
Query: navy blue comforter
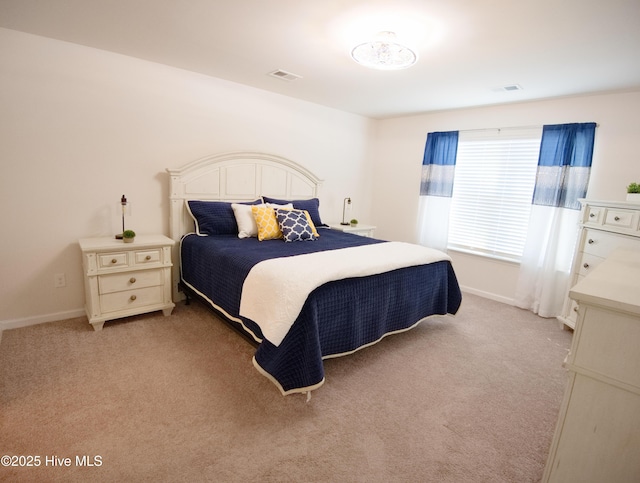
338, 317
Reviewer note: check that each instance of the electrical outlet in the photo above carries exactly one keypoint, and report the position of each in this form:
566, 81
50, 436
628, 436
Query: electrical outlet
59, 280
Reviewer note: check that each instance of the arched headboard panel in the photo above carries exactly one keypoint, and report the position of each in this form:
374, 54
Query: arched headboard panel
238, 176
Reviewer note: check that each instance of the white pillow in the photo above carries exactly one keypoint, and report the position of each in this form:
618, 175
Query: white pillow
288, 206
244, 218
247, 226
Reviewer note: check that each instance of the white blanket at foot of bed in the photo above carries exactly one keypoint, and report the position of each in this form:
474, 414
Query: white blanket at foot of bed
275, 290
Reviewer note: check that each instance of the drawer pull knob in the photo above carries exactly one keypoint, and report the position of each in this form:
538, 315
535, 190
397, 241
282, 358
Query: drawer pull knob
113, 260
590, 242
617, 218
132, 280
133, 297
592, 215
586, 265
575, 309
148, 257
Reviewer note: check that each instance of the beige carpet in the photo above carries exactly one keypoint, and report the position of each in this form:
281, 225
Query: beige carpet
471, 398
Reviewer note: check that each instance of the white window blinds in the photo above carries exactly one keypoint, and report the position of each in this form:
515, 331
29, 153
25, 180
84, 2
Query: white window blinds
493, 186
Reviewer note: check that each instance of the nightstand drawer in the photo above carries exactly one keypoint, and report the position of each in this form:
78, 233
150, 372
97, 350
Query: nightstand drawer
147, 256
131, 299
112, 260
119, 282
124, 279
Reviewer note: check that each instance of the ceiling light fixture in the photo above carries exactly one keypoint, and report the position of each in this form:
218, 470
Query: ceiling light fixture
384, 52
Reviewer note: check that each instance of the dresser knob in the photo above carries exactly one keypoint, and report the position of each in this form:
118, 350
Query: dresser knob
592, 215
590, 241
575, 309
148, 257
617, 218
132, 280
586, 265
132, 298
113, 260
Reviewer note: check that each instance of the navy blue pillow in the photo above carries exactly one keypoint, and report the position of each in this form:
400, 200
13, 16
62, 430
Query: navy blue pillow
215, 217
312, 206
294, 225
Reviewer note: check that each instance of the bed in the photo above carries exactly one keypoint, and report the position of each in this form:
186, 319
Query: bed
302, 291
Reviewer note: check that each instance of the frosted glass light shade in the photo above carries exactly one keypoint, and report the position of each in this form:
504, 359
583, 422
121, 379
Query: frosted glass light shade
384, 52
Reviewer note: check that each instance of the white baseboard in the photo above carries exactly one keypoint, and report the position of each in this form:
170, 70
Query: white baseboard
488, 295
71, 314
40, 319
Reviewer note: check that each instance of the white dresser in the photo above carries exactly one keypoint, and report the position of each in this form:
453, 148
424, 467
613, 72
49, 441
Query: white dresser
597, 438
124, 279
604, 227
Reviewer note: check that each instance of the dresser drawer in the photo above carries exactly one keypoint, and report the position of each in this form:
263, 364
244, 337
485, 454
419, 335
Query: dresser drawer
143, 257
112, 260
587, 262
131, 299
594, 215
118, 282
608, 344
625, 219
601, 243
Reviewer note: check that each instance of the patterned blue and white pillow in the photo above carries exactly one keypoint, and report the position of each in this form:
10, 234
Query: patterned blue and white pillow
295, 225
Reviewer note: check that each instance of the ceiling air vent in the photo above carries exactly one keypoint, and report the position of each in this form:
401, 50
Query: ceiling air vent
284, 75
512, 87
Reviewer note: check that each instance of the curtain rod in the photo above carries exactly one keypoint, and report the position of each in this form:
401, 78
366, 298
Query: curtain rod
501, 128
507, 128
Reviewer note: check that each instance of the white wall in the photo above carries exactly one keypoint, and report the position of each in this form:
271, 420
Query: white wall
80, 127
399, 147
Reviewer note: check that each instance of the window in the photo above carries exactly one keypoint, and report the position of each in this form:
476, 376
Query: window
495, 176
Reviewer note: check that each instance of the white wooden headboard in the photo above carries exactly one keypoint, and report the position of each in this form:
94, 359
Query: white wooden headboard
240, 176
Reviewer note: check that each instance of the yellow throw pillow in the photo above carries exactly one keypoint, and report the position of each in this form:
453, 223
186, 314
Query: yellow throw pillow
268, 228
313, 227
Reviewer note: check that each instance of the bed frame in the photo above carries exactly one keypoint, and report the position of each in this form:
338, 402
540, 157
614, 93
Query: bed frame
238, 176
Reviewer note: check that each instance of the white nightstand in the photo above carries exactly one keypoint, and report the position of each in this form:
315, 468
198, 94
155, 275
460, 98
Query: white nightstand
124, 279
359, 229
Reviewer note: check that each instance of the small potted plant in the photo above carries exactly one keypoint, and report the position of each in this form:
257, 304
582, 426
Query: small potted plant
128, 236
633, 192
353, 222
